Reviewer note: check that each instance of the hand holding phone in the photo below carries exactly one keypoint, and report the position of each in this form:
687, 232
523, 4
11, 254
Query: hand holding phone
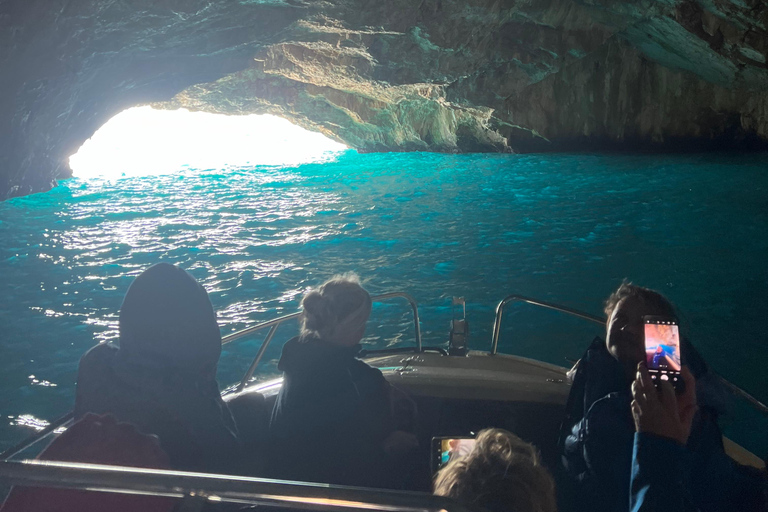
663, 414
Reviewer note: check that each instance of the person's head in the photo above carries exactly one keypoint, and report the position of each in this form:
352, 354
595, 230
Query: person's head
167, 319
625, 309
503, 473
337, 311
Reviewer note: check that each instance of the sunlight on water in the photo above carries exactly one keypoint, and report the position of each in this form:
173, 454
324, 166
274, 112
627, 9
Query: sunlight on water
142, 141
29, 421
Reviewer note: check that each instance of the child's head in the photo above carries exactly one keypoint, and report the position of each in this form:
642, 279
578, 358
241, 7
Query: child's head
337, 311
502, 473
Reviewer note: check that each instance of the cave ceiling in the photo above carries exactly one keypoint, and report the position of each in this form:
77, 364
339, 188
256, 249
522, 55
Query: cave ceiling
389, 75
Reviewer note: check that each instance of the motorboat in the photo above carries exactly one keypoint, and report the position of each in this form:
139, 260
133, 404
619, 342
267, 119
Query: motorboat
457, 391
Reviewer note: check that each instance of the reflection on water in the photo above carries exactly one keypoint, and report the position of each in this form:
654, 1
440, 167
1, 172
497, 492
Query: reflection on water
562, 228
30, 422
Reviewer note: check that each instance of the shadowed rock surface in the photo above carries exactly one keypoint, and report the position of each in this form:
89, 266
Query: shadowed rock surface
389, 75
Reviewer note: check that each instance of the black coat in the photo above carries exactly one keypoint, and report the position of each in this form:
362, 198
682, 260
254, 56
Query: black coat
331, 417
161, 377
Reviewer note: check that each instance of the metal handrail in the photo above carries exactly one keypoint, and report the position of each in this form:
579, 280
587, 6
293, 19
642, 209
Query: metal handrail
257, 359
733, 388
218, 488
736, 390
250, 330
535, 302
274, 323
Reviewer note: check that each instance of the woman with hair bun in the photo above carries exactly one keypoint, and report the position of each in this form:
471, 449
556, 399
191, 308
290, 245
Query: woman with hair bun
333, 413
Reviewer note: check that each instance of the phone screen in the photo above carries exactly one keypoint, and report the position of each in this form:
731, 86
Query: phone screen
445, 449
662, 349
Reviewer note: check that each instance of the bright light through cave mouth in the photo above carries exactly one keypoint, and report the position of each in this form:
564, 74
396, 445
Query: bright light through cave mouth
144, 141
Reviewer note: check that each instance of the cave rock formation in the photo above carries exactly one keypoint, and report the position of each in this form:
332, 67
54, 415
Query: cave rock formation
389, 75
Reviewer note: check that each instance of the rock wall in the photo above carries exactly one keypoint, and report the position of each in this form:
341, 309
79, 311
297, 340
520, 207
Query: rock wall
389, 75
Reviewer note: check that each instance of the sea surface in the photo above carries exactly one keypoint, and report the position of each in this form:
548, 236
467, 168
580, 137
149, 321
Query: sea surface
563, 228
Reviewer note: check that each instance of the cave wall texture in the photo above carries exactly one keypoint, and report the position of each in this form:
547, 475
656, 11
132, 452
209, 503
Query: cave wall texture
389, 75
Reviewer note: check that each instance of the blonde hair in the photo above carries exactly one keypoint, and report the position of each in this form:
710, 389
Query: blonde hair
502, 473
337, 311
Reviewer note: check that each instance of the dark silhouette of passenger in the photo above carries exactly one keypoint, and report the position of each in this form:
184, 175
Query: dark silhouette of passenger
333, 414
598, 432
98, 440
502, 473
162, 375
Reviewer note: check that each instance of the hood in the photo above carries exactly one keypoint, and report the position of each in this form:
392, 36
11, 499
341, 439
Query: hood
167, 320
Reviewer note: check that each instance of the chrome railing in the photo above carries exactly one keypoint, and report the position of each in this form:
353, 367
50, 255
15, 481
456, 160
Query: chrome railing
535, 302
275, 323
733, 388
218, 488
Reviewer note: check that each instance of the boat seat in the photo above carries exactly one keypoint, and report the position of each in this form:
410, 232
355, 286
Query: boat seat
251, 412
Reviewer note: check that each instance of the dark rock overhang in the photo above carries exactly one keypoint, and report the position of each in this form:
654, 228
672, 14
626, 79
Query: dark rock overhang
393, 75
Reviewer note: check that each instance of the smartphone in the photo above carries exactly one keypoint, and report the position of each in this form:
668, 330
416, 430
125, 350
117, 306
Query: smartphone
445, 449
662, 351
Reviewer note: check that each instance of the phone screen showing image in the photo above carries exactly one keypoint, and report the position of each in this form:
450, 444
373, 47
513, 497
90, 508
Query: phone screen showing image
445, 449
662, 349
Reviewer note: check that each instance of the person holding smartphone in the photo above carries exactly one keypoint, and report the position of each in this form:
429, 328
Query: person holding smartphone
597, 440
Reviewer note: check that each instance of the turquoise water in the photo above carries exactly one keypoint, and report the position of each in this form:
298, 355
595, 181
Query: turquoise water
564, 228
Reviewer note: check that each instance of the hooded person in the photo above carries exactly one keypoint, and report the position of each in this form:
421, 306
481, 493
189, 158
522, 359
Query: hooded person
161, 377
334, 412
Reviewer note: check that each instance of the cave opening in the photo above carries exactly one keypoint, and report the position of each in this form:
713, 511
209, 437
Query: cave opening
142, 141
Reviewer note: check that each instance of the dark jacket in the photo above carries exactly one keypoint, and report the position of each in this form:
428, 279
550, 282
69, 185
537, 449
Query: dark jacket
598, 437
661, 472
331, 416
161, 377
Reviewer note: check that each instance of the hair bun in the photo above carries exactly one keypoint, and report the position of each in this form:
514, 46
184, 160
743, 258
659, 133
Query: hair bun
317, 311
337, 311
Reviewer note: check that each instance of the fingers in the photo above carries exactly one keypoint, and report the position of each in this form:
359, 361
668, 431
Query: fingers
687, 402
641, 399
690, 386
645, 401
637, 414
687, 413
668, 398
643, 390
687, 376
645, 378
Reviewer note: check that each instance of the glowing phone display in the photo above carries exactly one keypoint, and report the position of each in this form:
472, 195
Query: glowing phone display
662, 349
